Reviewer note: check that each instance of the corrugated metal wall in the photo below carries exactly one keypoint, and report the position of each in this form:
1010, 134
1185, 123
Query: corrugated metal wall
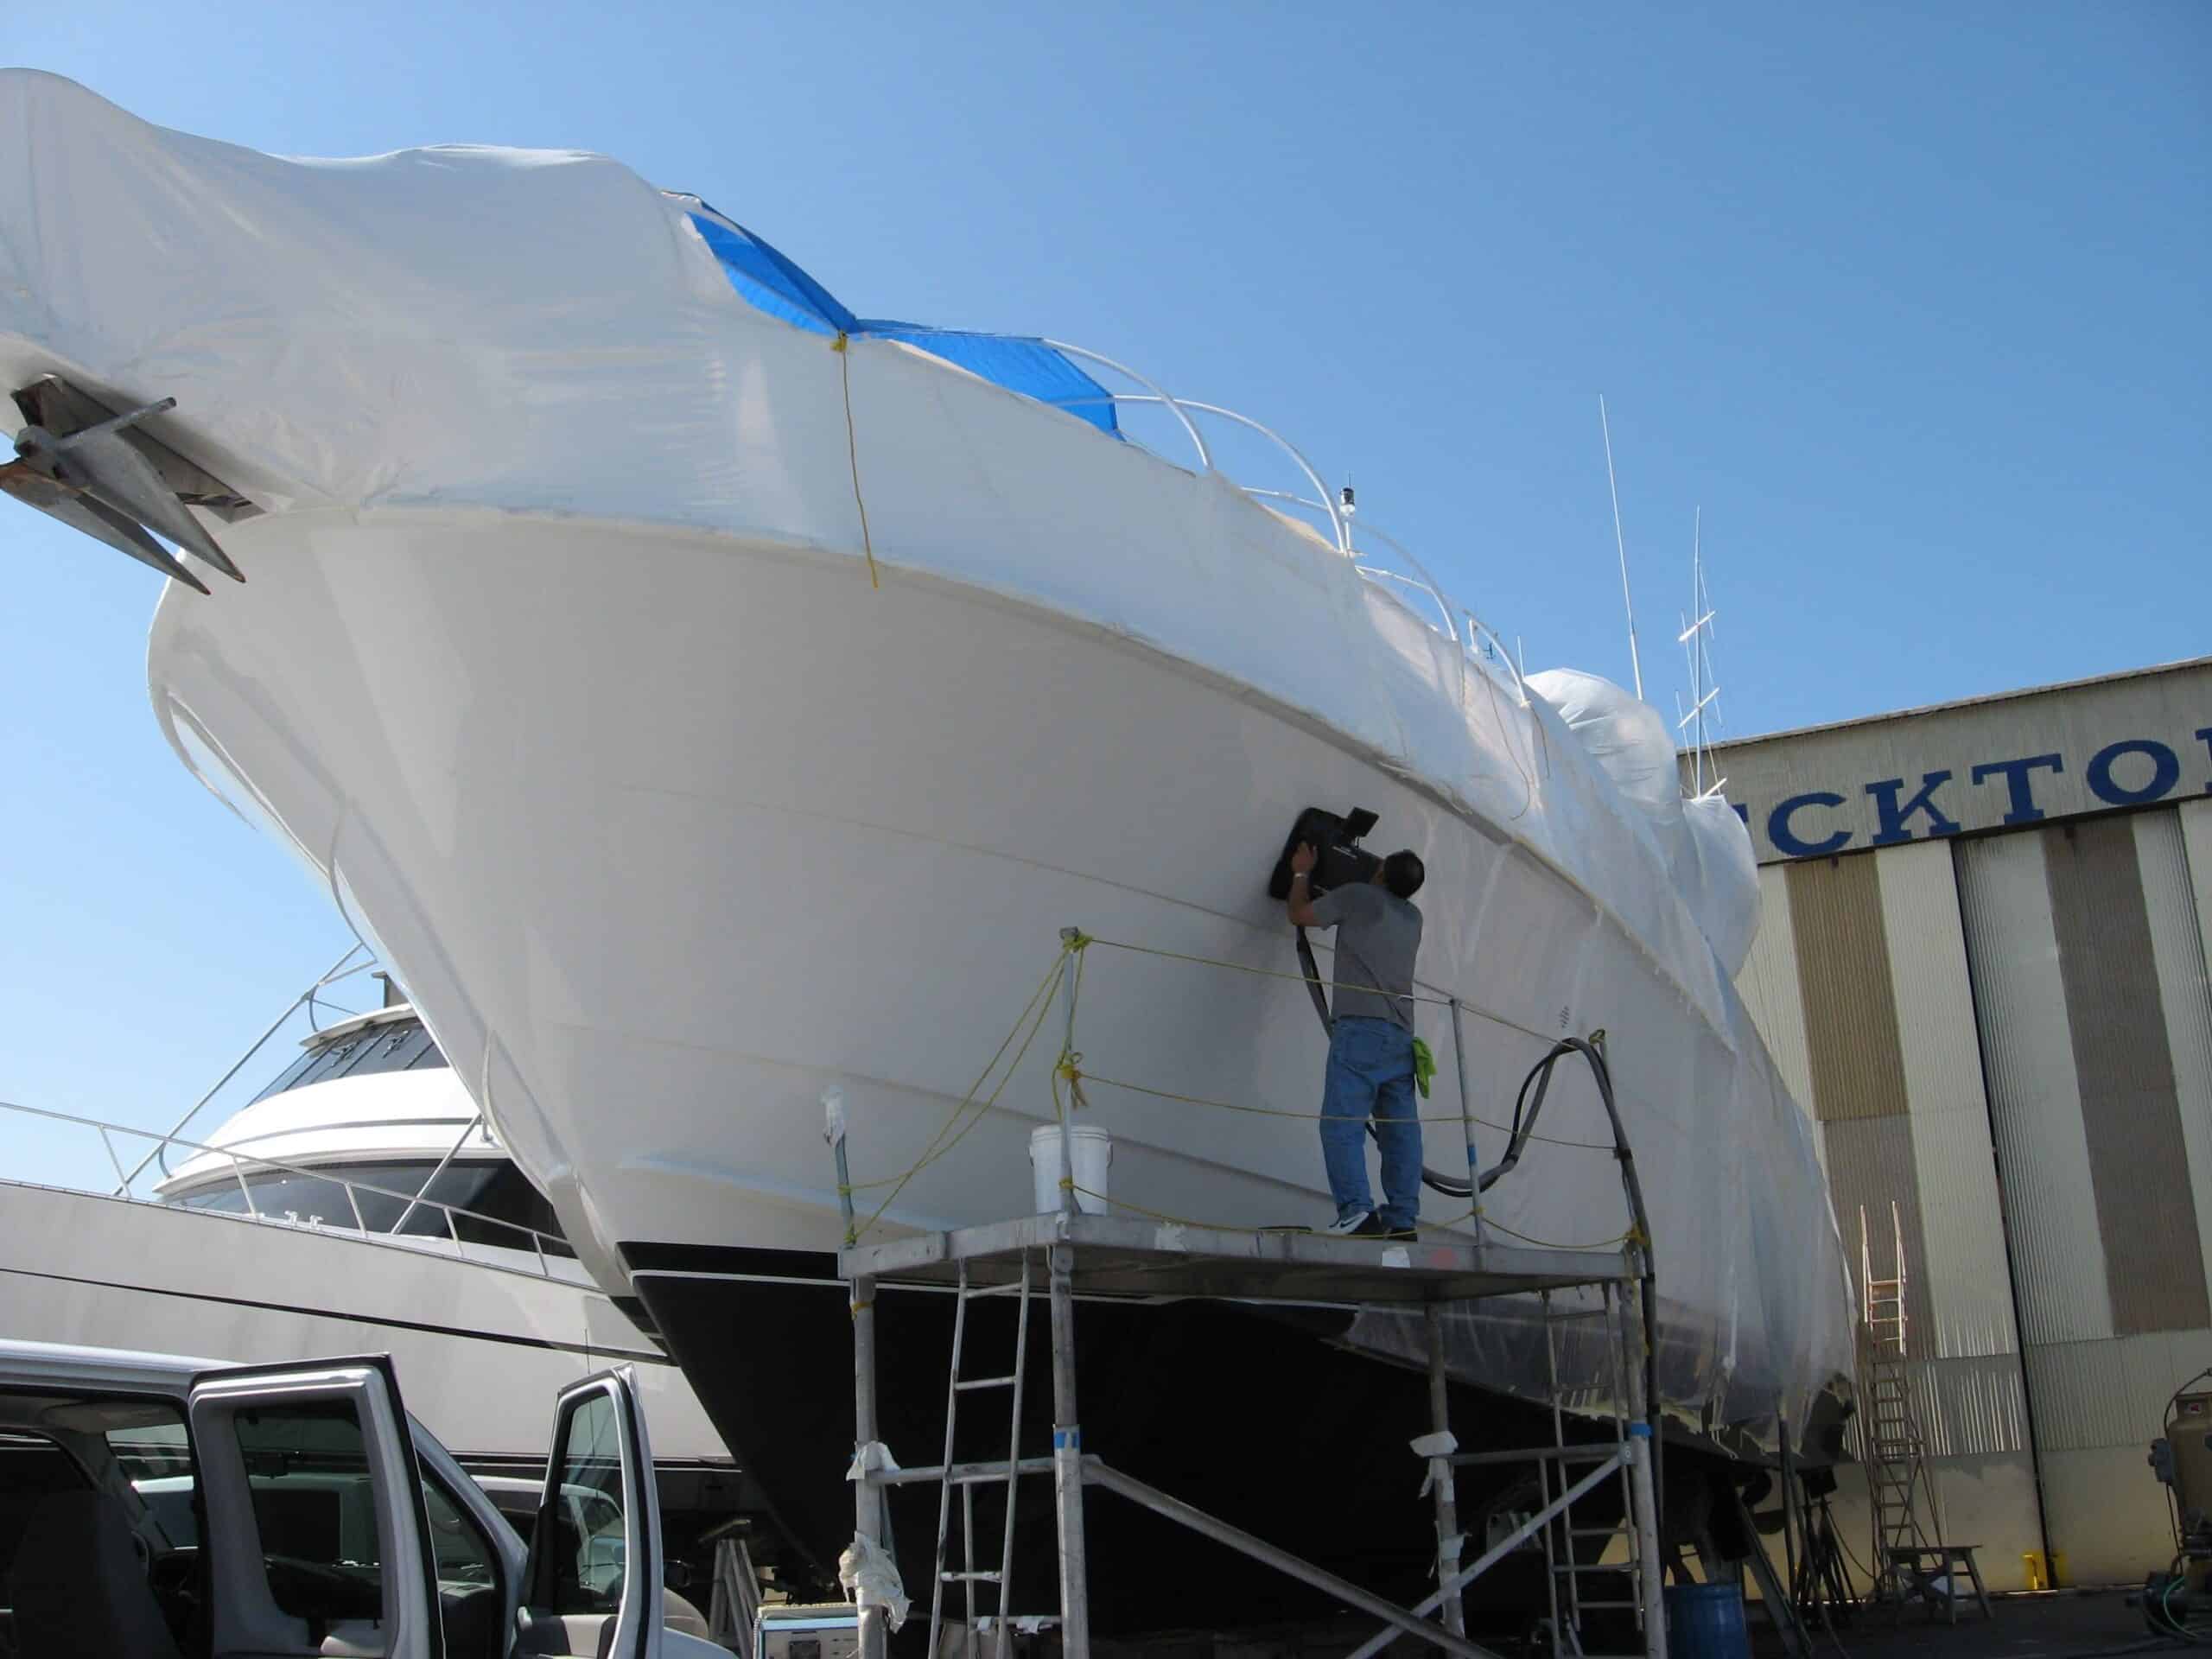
2007, 1032
1859, 981
2085, 943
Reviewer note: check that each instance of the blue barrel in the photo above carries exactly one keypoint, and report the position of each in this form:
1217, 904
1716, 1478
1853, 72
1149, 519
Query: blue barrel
1705, 1621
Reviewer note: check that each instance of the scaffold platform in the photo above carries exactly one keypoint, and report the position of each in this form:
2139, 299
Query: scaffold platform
1130, 1255
1069, 1256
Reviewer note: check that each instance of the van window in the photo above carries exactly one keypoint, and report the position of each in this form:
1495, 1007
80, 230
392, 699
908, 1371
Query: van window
464, 1553
471, 1606
156, 1457
314, 1505
587, 1557
32, 1469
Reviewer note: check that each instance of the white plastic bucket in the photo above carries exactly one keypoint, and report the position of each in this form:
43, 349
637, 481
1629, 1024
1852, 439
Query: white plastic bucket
1093, 1150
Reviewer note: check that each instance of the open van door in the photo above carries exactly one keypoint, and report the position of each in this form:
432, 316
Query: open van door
316, 1541
595, 1554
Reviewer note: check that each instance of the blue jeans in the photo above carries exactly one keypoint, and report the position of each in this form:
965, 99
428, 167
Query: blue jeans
1371, 1071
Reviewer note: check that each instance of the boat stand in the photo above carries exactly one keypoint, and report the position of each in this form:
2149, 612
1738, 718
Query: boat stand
1092, 1255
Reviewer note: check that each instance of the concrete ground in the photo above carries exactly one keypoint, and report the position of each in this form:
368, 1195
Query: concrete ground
2063, 1625
2069, 1624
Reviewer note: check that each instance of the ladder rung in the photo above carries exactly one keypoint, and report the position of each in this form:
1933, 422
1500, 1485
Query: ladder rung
1576, 1566
1627, 1607
962, 1578
1593, 1532
985, 1383
1012, 1288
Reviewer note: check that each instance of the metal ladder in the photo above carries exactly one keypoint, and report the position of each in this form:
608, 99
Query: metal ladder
735, 1604
1565, 1538
1898, 1484
967, 1574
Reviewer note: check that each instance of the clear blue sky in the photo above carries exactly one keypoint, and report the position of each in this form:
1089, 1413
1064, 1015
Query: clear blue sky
1911, 299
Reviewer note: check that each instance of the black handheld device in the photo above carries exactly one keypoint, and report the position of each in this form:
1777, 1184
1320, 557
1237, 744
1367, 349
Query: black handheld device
1340, 860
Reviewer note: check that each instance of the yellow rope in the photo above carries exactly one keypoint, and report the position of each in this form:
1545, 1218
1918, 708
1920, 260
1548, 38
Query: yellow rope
853, 453
1328, 1117
1545, 1243
1068, 1069
1033, 1014
1276, 973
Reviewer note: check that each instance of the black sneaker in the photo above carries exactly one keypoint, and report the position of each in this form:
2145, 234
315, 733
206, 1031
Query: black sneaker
1397, 1232
1365, 1224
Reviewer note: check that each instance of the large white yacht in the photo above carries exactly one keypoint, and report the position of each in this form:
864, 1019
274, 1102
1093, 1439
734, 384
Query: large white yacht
356, 1203
708, 697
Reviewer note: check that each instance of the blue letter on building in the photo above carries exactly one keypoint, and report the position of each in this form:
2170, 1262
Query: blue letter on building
2165, 771
1785, 840
2024, 810
1893, 816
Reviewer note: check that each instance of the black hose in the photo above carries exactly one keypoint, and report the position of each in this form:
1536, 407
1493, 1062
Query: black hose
1526, 1110
1524, 1124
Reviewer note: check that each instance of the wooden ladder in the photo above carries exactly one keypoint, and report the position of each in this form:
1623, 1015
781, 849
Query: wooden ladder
1899, 1491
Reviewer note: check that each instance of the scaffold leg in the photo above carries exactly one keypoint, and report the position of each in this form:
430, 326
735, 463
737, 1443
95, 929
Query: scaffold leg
1067, 1462
1447, 1502
1644, 1492
867, 1497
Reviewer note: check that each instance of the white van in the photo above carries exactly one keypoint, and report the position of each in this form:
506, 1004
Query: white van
152, 1505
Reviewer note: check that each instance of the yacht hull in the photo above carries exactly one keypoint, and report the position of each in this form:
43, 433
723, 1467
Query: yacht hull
700, 706
668, 833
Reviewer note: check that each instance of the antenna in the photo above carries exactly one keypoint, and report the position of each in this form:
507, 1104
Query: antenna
1696, 639
1635, 662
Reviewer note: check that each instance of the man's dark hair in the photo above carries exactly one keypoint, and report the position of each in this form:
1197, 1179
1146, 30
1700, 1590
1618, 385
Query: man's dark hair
1402, 872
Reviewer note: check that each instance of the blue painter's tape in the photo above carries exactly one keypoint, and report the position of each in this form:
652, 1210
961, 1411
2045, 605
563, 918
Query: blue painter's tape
1640, 1431
1067, 1439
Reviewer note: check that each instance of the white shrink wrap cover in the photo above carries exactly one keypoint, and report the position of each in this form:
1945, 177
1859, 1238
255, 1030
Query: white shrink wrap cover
1724, 891
1705, 846
559, 612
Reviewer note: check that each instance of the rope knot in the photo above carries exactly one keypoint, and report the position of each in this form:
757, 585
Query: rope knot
1069, 1070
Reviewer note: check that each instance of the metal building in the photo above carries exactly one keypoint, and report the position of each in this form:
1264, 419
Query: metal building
1981, 966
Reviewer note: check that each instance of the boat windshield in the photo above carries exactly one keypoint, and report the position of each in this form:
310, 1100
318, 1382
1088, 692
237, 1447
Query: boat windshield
395, 1046
490, 1191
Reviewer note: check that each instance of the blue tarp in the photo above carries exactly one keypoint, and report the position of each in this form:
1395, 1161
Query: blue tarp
770, 283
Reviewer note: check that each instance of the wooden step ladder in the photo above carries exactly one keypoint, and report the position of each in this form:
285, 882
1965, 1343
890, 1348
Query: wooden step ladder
1900, 1493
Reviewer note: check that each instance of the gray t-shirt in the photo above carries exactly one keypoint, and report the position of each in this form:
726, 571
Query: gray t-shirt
1378, 936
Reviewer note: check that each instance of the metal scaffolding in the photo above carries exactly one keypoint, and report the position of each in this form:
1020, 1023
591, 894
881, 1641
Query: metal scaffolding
1093, 1256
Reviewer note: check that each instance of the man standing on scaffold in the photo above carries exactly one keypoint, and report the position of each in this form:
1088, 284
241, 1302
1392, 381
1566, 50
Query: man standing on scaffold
1371, 1040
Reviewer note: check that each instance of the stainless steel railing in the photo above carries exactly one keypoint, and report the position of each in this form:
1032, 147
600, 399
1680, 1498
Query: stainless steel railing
1461, 625
507, 1255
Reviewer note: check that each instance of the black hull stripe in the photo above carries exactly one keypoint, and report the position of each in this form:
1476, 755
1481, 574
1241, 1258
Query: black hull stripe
719, 1261
624, 1354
